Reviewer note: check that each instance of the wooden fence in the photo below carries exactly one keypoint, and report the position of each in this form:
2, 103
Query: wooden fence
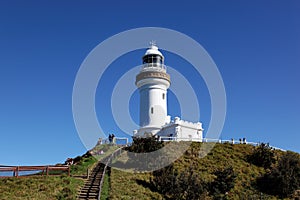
36, 170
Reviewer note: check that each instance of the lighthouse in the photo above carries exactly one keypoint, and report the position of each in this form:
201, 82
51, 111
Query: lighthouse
153, 82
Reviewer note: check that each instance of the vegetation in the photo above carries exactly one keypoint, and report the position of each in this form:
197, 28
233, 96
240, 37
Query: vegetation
228, 171
54, 187
174, 185
39, 187
106, 185
223, 183
225, 173
284, 178
143, 145
103, 150
262, 156
82, 164
129, 186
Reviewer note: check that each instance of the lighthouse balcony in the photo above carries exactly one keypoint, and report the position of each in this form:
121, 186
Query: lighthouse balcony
153, 67
154, 77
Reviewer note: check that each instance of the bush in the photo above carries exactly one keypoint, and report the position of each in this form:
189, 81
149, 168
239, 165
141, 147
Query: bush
144, 145
223, 183
163, 180
284, 178
138, 159
262, 156
174, 185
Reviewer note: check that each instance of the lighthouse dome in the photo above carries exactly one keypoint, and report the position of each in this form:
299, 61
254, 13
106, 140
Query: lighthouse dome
153, 50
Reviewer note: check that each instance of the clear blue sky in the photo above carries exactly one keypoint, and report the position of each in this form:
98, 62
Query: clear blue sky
255, 44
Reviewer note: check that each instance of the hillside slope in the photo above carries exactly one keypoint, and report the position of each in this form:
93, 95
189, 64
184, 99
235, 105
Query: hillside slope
126, 185
37, 187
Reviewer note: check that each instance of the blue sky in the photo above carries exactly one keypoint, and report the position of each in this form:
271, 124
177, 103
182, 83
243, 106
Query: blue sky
255, 44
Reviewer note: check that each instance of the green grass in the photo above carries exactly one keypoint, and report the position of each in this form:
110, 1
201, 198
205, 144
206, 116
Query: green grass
52, 187
105, 187
82, 167
126, 185
36, 188
87, 163
107, 149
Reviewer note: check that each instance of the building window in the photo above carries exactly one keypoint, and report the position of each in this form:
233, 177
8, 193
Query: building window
163, 96
151, 110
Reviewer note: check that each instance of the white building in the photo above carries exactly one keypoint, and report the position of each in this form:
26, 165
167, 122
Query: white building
153, 82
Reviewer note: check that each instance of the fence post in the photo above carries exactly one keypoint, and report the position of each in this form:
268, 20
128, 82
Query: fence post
47, 170
69, 171
17, 172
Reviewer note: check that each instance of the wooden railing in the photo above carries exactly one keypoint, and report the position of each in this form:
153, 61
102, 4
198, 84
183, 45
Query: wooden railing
36, 170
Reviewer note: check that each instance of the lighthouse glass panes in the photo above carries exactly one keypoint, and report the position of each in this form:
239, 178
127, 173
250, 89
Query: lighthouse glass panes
152, 59
153, 62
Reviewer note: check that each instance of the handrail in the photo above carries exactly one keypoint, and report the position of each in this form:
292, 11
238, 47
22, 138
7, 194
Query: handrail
104, 170
232, 141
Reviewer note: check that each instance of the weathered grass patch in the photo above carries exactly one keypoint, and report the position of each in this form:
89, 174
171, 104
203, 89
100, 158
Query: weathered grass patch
126, 185
36, 188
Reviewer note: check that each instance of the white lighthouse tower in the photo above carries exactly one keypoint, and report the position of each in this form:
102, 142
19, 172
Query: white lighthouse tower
153, 82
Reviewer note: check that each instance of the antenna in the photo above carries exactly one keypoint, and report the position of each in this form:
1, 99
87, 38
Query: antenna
152, 43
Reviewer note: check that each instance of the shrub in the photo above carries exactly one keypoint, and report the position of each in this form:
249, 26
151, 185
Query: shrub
174, 185
145, 144
284, 178
262, 156
137, 159
223, 183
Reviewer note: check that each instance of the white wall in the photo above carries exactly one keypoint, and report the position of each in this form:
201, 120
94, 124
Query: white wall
182, 129
153, 104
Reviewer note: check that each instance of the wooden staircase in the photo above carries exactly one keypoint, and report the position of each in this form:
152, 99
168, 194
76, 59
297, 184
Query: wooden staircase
91, 188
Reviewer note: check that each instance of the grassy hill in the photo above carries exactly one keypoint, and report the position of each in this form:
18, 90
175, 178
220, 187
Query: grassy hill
126, 185
52, 187
37, 188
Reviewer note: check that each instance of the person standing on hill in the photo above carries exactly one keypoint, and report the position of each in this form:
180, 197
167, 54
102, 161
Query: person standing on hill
110, 138
113, 138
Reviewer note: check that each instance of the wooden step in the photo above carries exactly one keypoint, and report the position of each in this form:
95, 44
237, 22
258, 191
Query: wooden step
91, 189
